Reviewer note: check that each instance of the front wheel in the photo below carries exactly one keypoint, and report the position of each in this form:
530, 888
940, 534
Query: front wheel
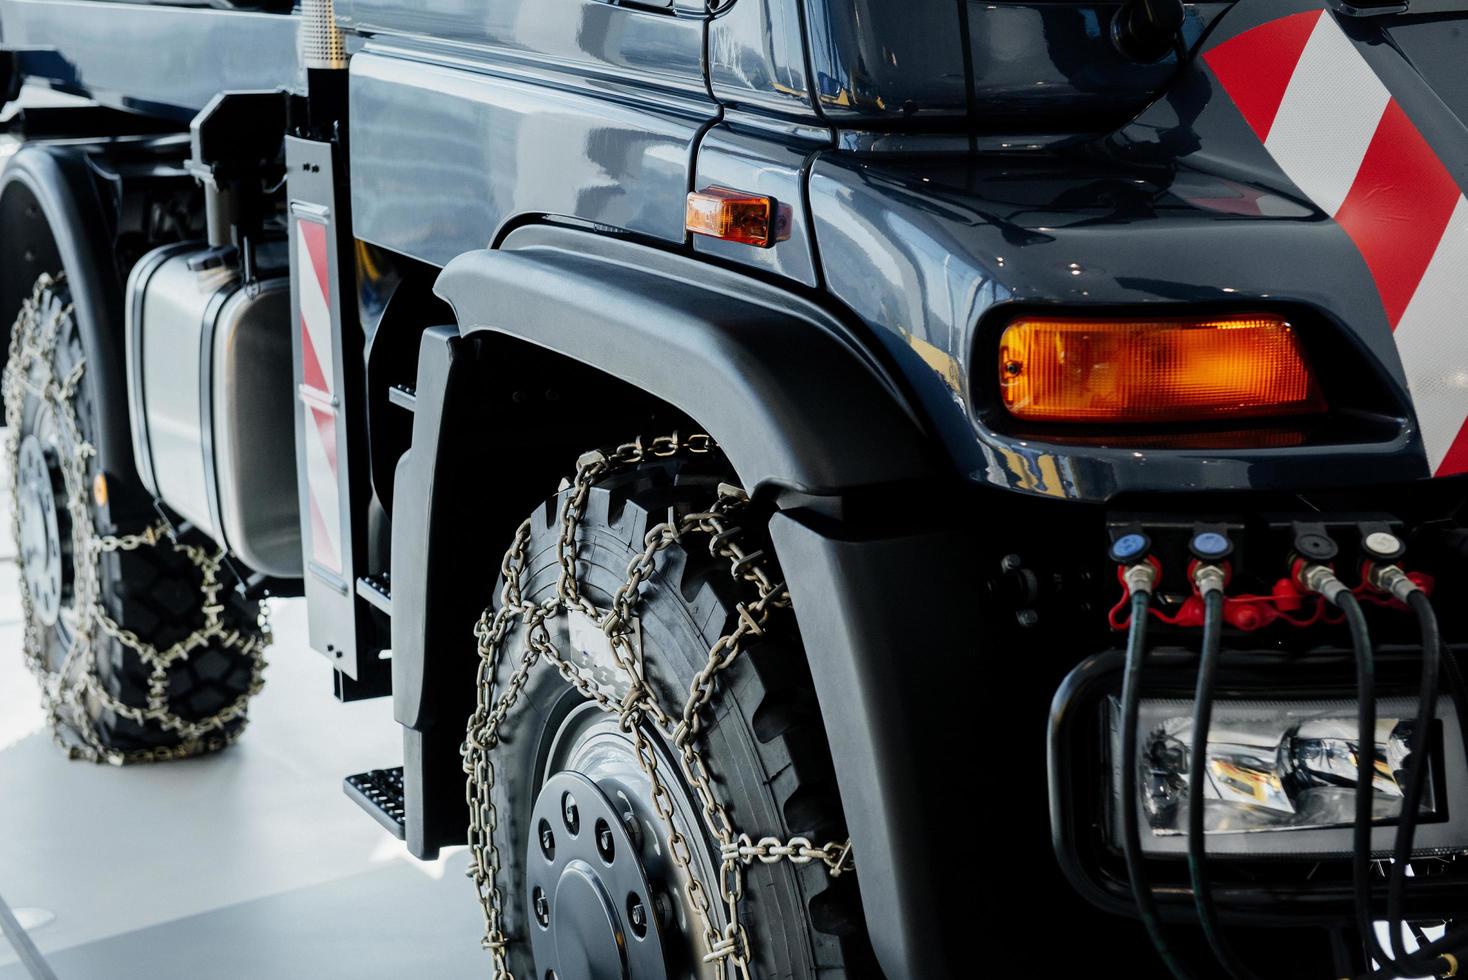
596, 834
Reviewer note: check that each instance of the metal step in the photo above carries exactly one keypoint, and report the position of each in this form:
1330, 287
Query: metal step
377, 590
403, 397
380, 793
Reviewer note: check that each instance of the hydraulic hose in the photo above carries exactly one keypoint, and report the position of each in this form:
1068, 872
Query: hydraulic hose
1131, 835
1365, 769
1398, 963
1416, 771
1436, 957
1197, 768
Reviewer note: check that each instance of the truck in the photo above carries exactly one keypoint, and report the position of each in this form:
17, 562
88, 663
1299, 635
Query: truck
832, 488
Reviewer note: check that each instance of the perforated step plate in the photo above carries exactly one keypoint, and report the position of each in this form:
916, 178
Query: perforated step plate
380, 793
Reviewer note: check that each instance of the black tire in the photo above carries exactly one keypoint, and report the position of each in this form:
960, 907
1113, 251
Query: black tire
765, 745
154, 592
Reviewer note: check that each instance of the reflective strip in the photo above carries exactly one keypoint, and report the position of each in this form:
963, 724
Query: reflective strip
313, 285
1349, 146
317, 372
321, 472
1433, 340
1327, 117
1257, 73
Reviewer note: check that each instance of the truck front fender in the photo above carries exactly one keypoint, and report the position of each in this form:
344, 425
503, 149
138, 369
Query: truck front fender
798, 405
791, 399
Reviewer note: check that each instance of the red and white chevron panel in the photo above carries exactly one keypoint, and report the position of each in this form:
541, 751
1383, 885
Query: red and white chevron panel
1336, 131
313, 281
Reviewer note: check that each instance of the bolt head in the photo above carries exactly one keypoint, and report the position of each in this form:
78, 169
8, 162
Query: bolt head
633, 828
571, 814
637, 915
541, 905
663, 905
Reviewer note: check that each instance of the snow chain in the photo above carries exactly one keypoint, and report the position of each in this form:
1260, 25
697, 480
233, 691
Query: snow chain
639, 710
69, 691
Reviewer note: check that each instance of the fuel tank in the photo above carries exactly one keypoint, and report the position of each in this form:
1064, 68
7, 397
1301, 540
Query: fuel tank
210, 400
1299, 162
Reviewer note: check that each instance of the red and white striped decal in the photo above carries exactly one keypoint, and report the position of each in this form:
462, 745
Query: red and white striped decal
1336, 131
314, 286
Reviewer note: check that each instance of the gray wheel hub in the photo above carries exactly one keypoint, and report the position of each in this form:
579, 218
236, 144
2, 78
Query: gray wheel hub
589, 896
42, 547
604, 895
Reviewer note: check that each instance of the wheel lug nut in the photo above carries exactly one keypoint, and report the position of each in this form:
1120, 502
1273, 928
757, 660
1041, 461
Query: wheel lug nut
571, 814
542, 907
547, 841
605, 843
663, 906
637, 915
633, 828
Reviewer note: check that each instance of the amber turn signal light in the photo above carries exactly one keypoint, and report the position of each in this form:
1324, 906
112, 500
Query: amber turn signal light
1154, 371
731, 215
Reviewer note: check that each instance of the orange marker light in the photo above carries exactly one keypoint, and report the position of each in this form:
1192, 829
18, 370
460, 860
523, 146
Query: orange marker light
1153, 371
731, 215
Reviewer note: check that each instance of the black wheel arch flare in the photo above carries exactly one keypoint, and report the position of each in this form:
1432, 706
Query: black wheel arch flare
804, 415
55, 180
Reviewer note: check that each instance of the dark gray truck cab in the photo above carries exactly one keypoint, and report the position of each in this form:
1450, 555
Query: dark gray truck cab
503, 186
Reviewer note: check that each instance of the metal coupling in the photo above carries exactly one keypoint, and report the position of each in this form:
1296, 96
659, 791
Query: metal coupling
1139, 578
1209, 579
1391, 579
1321, 579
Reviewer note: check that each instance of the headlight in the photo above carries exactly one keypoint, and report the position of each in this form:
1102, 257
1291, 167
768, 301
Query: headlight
1281, 779
1271, 766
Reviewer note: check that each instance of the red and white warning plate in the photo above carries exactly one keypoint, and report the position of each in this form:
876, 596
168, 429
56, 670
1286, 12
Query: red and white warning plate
1336, 131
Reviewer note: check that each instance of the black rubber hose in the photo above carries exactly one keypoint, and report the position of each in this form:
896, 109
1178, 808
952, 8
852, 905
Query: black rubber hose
1426, 959
1416, 776
1365, 773
1131, 835
1197, 770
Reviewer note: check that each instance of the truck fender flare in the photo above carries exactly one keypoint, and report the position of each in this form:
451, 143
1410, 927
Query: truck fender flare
796, 404
777, 381
59, 180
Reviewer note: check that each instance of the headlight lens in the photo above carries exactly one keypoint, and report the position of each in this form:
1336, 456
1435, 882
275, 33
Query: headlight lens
1271, 766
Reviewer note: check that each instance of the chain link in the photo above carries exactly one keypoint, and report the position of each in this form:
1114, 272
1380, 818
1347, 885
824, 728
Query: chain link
639, 712
73, 694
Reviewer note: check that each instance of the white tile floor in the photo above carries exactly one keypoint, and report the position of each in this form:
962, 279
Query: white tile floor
251, 863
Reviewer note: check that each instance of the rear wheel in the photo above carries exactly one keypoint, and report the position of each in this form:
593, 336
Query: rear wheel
141, 649
588, 883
